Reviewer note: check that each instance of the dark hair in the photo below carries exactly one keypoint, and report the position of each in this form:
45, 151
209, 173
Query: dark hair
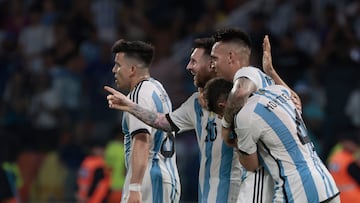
215, 89
205, 43
232, 35
135, 49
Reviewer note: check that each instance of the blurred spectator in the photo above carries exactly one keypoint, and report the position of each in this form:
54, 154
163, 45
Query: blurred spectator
72, 153
79, 21
68, 85
49, 184
290, 62
339, 74
10, 177
10, 60
305, 37
44, 108
352, 108
6, 193
313, 114
90, 48
15, 20
257, 31
281, 17
63, 44
50, 13
105, 13
344, 166
93, 180
16, 99
35, 38
115, 161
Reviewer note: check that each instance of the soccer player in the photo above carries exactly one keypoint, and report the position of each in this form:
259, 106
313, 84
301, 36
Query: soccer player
270, 132
152, 174
220, 174
230, 53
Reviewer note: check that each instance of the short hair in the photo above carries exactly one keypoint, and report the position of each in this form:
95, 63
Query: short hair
138, 50
205, 43
214, 90
232, 35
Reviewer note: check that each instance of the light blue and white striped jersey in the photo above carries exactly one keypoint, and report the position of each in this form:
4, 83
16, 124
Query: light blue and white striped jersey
161, 180
270, 124
221, 177
260, 79
220, 171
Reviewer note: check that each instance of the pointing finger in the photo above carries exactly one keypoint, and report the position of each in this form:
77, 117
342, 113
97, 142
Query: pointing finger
110, 89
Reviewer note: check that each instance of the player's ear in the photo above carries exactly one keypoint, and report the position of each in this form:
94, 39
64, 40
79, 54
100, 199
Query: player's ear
133, 70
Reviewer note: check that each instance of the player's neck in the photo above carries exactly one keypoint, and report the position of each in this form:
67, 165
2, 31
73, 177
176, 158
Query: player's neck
139, 79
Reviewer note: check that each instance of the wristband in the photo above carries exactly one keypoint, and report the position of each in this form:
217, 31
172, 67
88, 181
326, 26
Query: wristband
135, 187
224, 123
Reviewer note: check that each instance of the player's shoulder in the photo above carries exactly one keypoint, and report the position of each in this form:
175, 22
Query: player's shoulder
190, 102
146, 87
277, 89
194, 96
249, 72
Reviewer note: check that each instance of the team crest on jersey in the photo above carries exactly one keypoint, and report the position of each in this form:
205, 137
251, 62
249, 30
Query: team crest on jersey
261, 91
163, 98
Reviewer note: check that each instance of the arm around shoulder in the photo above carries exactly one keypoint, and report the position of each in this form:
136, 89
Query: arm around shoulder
249, 161
225, 134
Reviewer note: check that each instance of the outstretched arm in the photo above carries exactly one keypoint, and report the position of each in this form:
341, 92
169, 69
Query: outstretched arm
119, 101
270, 71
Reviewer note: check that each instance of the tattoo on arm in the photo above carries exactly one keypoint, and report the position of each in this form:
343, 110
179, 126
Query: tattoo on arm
154, 119
238, 96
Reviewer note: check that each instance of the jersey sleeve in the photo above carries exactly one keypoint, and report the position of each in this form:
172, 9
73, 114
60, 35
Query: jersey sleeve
184, 117
260, 79
135, 125
247, 133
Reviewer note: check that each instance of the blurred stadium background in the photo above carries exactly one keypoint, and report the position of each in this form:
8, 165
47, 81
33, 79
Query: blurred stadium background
55, 57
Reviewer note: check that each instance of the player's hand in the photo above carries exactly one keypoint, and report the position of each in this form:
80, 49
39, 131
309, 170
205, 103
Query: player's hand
267, 58
117, 100
134, 197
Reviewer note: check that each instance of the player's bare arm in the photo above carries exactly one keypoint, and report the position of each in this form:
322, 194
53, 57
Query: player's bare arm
249, 161
270, 71
231, 142
119, 101
238, 96
140, 153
